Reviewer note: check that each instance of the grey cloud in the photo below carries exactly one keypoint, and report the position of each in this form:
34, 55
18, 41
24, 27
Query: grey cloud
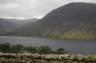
31, 8
6, 1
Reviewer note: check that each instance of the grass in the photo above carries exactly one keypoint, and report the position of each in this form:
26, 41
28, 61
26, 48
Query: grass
78, 34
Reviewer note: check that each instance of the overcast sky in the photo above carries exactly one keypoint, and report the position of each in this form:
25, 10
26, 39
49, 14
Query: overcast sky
20, 9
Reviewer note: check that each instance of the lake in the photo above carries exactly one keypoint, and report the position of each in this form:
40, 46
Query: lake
73, 46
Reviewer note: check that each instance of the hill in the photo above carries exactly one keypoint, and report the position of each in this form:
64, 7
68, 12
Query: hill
71, 21
22, 27
21, 22
6, 26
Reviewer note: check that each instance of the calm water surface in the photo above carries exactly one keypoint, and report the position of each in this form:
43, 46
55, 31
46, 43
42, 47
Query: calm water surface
74, 46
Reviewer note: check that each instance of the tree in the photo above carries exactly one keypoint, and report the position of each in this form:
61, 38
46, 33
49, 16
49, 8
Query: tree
5, 48
1, 47
60, 51
17, 48
31, 49
44, 50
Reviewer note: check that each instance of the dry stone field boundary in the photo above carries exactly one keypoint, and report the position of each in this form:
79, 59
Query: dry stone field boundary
46, 58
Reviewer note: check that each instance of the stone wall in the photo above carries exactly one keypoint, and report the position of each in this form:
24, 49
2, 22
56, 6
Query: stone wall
47, 58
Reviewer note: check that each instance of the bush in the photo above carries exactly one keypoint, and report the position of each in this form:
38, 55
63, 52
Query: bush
31, 49
19, 48
60, 51
44, 50
5, 48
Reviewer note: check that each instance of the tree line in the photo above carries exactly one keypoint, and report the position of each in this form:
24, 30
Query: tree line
19, 48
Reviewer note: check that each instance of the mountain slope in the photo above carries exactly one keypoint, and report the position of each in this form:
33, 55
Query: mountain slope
21, 30
71, 21
6, 26
21, 22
